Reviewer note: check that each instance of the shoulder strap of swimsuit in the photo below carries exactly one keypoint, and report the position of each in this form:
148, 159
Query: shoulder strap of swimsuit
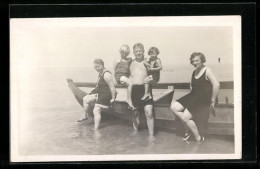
205, 70
205, 73
102, 76
105, 72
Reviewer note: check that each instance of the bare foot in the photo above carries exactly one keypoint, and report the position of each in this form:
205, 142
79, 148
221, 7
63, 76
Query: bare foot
134, 133
202, 139
151, 138
82, 119
187, 136
146, 97
130, 105
187, 141
93, 129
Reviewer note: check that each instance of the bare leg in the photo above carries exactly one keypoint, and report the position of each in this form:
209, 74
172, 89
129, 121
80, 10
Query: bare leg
185, 116
146, 90
147, 82
185, 127
136, 120
87, 101
177, 107
97, 117
150, 120
129, 95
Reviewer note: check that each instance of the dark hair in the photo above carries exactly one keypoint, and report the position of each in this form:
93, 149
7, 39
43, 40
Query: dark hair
138, 45
201, 55
99, 61
153, 50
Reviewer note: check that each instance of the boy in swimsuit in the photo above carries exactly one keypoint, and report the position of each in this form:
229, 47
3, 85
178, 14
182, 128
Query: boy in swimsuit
138, 72
122, 73
154, 67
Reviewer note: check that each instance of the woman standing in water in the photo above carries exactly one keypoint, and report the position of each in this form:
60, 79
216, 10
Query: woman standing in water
102, 96
193, 109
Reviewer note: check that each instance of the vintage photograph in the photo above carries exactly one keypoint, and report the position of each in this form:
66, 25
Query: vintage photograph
125, 88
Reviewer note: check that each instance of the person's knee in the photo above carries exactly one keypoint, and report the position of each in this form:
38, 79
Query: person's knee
86, 100
96, 111
127, 81
174, 107
149, 114
124, 80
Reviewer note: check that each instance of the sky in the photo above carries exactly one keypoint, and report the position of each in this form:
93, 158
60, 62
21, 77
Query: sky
77, 41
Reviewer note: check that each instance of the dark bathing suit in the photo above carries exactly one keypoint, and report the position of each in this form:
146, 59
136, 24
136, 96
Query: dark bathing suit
198, 101
137, 93
122, 69
103, 90
155, 74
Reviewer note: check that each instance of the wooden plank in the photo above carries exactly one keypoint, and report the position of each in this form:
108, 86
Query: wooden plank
223, 85
164, 113
162, 95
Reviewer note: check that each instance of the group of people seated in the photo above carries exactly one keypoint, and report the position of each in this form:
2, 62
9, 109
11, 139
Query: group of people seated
138, 75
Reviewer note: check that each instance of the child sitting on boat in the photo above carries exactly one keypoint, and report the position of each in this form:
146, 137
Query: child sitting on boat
122, 73
154, 67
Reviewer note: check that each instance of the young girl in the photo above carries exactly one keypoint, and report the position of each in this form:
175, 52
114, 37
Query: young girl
121, 72
154, 67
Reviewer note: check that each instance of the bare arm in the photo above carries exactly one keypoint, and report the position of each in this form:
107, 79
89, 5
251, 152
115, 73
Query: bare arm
190, 85
158, 61
109, 80
130, 70
146, 64
114, 67
215, 84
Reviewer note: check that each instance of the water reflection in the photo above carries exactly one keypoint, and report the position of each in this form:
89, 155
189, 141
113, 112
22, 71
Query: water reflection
115, 137
97, 136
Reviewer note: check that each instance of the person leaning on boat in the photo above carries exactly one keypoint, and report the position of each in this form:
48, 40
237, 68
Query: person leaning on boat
102, 96
193, 109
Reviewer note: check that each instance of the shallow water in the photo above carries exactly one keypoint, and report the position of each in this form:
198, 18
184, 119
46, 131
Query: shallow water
47, 124
63, 136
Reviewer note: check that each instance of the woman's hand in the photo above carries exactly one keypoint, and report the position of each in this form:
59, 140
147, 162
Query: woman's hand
212, 109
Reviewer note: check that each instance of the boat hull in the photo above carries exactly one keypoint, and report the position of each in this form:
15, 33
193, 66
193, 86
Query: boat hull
222, 123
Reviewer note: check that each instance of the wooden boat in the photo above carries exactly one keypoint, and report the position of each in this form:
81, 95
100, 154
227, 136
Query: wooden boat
222, 123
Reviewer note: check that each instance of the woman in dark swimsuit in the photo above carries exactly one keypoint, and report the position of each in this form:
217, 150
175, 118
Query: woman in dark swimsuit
196, 105
102, 96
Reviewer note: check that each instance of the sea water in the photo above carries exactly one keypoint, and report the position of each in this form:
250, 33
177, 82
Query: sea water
47, 114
